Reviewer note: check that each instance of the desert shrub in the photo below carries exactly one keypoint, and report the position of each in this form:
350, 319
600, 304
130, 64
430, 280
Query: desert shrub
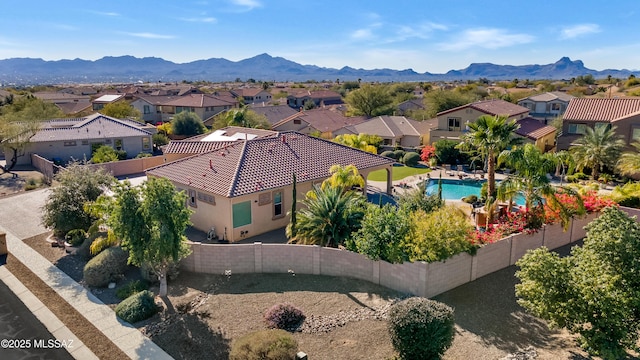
264, 345
131, 288
122, 155
137, 307
160, 139
105, 267
389, 154
84, 250
411, 158
104, 154
31, 184
76, 237
284, 316
421, 328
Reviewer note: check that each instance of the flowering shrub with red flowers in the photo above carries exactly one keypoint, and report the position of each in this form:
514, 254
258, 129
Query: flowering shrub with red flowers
527, 221
427, 153
591, 200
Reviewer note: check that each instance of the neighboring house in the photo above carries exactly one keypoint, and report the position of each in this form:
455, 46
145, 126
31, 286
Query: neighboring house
274, 113
541, 135
252, 95
394, 130
548, 106
69, 103
323, 121
453, 123
65, 140
409, 105
581, 113
150, 105
103, 100
245, 188
204, 105
215, 140
320, 98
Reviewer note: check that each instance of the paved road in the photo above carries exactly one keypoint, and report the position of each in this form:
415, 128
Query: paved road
18, 323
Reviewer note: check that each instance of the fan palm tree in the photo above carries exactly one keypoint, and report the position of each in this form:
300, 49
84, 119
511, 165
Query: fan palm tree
328, 217
531, 181
596, 148
629, 162
489, 135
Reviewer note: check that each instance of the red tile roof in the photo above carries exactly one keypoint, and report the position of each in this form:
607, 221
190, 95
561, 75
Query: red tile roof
256, 165
96, 126
195, 145
533, 129
198, 100
601, 109
493, 107
323, 119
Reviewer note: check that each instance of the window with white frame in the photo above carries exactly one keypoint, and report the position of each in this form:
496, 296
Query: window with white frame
278, 209
454, 124
577, 128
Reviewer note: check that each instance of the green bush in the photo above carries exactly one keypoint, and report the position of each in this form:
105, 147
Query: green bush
105, 267
421, 328
131, 288
143, 155
284, 316
31, 184
104, 154
399, 154
470, 199
411, 158
264, 345
389, 154
137, 307
76, 237
160, 139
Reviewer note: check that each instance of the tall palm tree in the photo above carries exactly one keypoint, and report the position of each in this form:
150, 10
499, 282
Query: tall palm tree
328, 217
596, 148
629, 162
531, 181
489, 135
343, 177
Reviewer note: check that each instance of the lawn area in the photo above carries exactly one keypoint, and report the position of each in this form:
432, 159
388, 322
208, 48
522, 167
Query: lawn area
399, 173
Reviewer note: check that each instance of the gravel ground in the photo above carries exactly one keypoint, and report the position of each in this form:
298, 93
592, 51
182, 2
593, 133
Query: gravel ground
345, 317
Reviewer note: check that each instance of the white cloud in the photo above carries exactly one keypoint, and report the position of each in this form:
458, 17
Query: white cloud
485, 38
210, 20
362, 34
247, 4
574, 31
104, 13
147, 35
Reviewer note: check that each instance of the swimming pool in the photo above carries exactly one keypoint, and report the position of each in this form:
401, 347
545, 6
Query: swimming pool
457, 189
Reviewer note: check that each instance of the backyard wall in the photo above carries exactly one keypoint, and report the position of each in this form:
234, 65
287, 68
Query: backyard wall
136, 166
419, 278
46, 167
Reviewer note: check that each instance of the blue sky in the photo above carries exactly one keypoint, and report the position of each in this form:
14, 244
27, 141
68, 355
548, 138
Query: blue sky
425, 35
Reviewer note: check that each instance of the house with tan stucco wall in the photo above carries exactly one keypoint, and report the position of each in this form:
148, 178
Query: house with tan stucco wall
245, 188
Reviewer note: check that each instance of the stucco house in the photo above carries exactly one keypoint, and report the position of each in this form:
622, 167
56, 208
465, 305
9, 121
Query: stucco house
535, 132
245, 188
394, 130
623, 113
273, 113
65, 140
103, 100
325, 121
319, 97
252, 95
204, 105
452, 124
548, 106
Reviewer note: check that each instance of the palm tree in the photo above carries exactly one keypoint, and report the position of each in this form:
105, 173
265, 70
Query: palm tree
531, 181
489, 135
343, 177
328, 217
629, 162
597, 148
564, 164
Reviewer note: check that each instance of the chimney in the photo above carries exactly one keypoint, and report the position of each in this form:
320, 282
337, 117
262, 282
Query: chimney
284, 139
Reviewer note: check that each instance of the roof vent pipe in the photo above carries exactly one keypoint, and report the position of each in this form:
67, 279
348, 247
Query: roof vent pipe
284, 139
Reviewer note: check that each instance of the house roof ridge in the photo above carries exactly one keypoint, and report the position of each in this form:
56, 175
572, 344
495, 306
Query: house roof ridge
234, 183
387, 126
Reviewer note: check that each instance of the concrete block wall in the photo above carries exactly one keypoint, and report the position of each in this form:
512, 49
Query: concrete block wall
419, 278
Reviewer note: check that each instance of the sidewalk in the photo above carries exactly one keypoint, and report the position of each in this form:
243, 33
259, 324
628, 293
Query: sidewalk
126, 337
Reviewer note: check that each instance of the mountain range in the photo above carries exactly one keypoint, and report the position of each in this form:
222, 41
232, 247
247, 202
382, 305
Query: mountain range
264, 67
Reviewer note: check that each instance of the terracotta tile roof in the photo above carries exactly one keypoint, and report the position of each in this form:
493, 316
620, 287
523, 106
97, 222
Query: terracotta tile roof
601, 109
197, 144
247, 91
323, 119
534, 129
198, 100
156, 99
256, 165
96, 126
74, 107
492, 107
317, 94
60, 97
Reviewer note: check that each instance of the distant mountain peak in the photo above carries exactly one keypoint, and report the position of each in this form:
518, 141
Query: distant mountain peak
127, 68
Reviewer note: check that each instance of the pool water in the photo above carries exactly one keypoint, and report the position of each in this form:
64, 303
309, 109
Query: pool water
457, 189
